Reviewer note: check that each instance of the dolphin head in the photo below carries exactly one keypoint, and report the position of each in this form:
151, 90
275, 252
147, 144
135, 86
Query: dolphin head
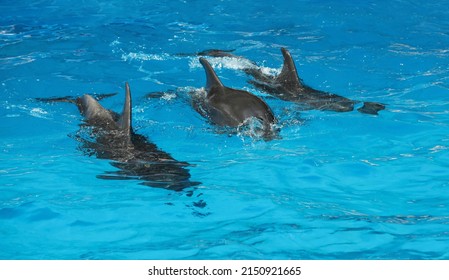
226, 106
96, 115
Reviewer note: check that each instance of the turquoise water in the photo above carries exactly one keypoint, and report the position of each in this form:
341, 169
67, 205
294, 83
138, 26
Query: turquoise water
336, 186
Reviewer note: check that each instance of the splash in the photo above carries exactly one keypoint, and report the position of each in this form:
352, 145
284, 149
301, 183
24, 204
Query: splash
233, 63
167, 96
39, 113
144, 57
257, 130
19, 110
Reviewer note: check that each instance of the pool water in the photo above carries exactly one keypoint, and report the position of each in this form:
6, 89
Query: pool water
334, 186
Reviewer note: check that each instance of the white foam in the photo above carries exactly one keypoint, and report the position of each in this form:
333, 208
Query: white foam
270, 71
438, 148
144, 57
39, 113
168, 96
18, 60
115, 42
233, 63
35, 112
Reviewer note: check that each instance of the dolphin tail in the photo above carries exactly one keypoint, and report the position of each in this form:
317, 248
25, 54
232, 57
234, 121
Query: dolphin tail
210, 52
371, 108
212, 78
124, 121
217, 53
64, 99
72, 99
289, 75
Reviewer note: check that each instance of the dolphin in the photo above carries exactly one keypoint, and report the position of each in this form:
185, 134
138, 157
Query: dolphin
133, 154
225, 106
289, 86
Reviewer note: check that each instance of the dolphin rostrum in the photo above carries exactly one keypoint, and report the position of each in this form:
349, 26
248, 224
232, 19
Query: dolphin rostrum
230, 107
133, 154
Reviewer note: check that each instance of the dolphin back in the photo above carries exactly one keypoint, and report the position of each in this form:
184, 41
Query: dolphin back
93, 112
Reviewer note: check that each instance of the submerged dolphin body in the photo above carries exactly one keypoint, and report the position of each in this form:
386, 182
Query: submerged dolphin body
288, 86
134, 156
230, 107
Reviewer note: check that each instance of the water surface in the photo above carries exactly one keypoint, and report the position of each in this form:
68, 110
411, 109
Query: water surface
336, 186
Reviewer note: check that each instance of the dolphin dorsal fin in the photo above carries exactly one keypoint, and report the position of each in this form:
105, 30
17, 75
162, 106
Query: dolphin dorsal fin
212, 78
125, 118
289, 76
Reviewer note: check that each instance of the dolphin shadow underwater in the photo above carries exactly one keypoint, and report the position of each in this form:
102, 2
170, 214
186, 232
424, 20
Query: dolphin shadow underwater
228, 107
289, 86
132, 154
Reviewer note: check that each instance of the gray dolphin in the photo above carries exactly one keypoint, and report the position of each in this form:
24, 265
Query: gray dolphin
230, 107
288, 86
132, 153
